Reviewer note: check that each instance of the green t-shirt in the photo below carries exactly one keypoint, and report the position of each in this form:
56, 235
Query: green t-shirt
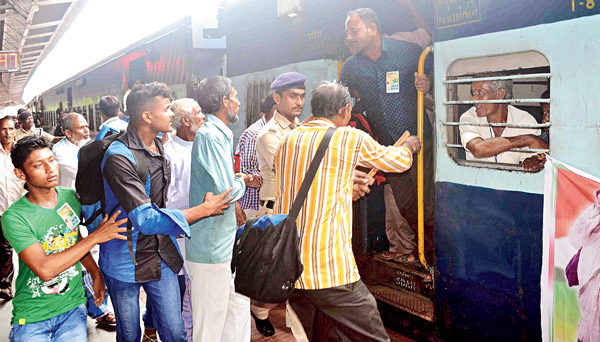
25, 224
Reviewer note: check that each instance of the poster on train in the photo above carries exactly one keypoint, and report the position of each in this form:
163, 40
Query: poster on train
571, 267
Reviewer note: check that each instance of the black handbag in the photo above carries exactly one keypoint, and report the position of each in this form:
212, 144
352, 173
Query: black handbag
266, 254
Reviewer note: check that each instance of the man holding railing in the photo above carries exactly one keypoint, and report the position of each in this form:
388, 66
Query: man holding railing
492, 143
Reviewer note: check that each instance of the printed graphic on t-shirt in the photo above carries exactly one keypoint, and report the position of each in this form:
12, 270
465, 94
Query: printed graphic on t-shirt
67, 214
56, 240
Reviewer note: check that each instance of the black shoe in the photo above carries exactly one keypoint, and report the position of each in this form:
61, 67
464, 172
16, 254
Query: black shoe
264, 326
6, 294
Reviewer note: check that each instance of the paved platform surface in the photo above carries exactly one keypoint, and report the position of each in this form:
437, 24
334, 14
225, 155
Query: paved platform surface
102, 333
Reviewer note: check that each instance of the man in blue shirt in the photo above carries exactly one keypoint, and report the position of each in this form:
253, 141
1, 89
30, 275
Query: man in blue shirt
220, 314
155, 250
382, 74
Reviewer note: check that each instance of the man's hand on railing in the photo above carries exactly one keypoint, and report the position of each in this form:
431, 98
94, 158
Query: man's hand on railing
414, 143
534, 163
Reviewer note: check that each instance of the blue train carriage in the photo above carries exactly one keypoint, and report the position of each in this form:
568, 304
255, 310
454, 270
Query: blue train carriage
170, 55
488, 230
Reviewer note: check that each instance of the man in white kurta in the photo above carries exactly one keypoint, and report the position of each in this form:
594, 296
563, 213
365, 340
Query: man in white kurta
11, 189
187, 119
492, 143
66, 150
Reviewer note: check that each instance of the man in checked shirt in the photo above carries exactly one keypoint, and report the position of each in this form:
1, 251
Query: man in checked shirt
248, 159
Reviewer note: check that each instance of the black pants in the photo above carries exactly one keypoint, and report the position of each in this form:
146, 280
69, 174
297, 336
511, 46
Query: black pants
343, 313
6, 265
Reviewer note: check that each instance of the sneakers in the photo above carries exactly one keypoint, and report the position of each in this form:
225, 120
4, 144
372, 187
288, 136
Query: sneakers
150, 335
264, 326
6, 294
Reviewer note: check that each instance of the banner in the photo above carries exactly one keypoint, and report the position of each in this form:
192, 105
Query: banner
571, 266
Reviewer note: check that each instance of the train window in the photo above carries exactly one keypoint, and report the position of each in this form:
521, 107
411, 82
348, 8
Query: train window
98, 117
90, 117
255, 93
509, 91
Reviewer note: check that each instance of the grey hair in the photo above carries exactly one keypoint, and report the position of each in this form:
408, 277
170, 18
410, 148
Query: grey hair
210, 93
327, 98
367, 16
507, 85
67, 121
182, 108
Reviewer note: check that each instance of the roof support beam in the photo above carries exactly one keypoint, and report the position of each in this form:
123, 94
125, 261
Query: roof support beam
47, 24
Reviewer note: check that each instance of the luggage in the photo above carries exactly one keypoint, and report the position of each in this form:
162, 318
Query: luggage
266, 254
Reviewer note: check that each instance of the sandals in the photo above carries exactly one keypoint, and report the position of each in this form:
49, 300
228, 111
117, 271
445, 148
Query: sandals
405, 258
6, 294
107, 319
150, 335
390, 255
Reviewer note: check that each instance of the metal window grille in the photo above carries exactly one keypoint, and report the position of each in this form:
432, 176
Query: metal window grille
452, 104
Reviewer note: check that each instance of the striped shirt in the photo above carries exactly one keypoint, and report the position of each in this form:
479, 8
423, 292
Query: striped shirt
249, 162
325, 221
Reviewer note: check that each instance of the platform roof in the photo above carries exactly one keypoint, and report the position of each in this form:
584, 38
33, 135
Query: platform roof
32, 28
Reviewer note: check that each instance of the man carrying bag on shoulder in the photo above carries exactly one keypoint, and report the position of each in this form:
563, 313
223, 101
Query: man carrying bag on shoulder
330, 284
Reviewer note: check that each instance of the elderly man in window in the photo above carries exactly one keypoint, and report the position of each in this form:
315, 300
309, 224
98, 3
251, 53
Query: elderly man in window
491, 144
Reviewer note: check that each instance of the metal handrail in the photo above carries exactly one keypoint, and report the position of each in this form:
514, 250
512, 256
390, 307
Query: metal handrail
497, 78
496, 124
497, 101
420, 164
518, 149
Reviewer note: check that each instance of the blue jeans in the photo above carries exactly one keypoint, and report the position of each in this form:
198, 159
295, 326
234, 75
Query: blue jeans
163, 295
148, 317
68, 327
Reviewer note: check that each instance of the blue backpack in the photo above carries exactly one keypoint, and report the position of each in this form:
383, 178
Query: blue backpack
266, 254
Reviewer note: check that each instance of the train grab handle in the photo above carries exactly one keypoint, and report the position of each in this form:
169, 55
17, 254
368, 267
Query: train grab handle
420, 194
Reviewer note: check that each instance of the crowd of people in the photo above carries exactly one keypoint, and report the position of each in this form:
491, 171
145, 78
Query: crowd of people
172, 210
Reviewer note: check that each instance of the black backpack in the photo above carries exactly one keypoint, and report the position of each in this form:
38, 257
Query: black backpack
89, 182
266, 254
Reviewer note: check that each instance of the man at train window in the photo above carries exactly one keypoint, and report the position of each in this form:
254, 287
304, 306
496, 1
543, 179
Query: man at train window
219, 313
330, 283
491, 144
382, 73
110, 108
28, 128
155, 228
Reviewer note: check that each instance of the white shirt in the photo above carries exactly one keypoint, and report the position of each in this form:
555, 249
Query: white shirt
65, 153
515, 115
11, 187
179, 153
115, 123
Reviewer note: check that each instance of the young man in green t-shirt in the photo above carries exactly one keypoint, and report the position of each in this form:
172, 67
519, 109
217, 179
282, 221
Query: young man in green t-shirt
43, 228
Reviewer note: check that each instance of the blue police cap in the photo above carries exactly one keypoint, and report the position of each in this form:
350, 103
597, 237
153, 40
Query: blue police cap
289, 80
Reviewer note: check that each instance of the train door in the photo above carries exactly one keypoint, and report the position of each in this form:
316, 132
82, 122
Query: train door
137, 69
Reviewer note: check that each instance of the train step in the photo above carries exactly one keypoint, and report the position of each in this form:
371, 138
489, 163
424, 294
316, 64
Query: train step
410, 302
406, 286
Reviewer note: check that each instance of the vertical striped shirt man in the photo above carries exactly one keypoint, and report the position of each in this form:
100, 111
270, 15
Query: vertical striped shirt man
325, 221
